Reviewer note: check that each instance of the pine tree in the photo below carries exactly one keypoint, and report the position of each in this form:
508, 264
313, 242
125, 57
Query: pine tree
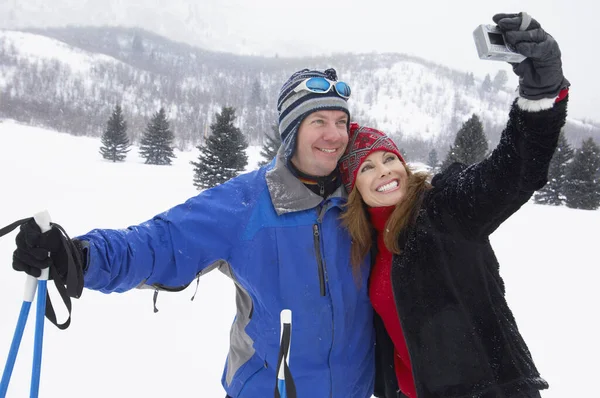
223, 156
115, 143
582, 189
553, 192
256, 95
470, 145
137, 44
433, 161
450, 158
156, 145
500, 80
271, 146
469, 80
486, 85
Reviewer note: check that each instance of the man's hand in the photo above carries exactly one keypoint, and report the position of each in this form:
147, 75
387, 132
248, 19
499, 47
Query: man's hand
37, 251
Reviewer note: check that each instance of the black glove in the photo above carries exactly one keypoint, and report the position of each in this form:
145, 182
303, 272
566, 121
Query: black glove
540, 74
37, 251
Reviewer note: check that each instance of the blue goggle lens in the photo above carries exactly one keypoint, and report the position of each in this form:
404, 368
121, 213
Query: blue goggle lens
319, 84
343, 89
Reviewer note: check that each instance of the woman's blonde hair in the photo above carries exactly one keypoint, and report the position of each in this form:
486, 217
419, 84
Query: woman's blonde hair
356, 219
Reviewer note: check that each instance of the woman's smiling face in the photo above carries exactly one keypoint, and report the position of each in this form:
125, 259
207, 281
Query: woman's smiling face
382, 179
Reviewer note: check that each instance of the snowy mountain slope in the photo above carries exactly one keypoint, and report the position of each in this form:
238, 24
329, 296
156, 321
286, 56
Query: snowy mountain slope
272, 28
46, 49
71, 85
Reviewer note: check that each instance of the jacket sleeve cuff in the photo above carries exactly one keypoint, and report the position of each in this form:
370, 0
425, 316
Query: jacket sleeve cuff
83, 246
541, 104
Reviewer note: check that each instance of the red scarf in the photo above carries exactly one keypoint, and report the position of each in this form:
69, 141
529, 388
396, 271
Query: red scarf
382, 299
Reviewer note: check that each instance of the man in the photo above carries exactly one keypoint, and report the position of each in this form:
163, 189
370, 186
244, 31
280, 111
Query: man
276, 233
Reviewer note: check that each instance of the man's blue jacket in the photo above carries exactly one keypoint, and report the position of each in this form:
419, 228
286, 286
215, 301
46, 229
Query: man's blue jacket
284, 248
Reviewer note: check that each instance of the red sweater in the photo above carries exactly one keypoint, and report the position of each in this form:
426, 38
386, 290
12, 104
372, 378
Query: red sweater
382, 299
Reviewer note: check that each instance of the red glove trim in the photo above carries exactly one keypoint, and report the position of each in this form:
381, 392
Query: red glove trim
562, 95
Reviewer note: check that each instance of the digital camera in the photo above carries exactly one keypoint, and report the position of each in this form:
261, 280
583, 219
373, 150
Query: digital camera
490, 44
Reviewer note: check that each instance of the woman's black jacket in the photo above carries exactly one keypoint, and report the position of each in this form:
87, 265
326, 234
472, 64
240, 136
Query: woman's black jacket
462, 338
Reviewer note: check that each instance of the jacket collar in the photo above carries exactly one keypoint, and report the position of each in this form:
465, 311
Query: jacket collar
288, 193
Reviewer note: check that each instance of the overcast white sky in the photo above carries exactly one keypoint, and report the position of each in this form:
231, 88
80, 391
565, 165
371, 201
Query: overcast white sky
433, 29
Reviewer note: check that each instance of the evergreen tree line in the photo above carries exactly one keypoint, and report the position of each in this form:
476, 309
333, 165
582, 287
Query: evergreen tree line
222, 157
573, 175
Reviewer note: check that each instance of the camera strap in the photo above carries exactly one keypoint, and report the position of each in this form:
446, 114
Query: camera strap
525, 21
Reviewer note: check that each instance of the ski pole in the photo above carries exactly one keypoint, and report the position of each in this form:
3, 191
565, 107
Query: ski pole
285, 387
31, 283
43, 221
16, 341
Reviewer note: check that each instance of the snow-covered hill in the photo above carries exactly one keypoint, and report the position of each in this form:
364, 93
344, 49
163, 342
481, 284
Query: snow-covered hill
69, 79
273, 28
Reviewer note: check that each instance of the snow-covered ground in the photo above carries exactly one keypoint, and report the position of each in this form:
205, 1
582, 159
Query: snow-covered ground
117, 347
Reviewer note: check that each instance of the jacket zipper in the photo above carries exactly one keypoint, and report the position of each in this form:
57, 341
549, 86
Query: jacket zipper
323, 280
320, 269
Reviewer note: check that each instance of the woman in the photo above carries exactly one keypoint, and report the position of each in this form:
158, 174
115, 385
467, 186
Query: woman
444, 328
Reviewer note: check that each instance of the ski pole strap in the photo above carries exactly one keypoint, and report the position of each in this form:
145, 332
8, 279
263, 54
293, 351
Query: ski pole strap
9, 228
73, 286
75, 263
284, 348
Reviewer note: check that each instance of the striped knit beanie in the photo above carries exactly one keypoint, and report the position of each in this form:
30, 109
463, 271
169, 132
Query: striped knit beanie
294, 107
363, 142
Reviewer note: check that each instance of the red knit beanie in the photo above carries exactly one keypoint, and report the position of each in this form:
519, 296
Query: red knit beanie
362, 142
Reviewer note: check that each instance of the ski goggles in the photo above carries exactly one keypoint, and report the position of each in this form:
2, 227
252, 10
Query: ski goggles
321, 85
